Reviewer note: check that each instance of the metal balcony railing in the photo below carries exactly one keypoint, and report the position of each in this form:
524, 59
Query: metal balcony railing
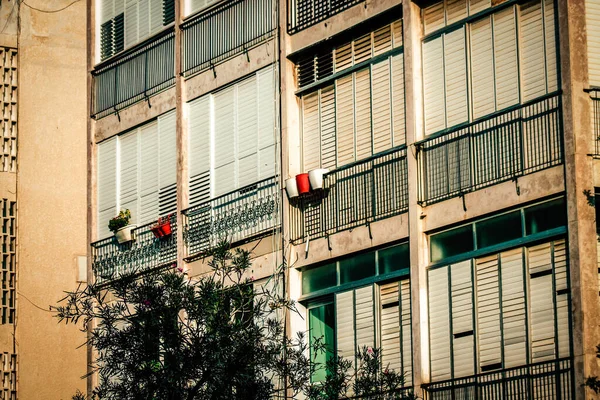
110, 260
540, 381
305, 13
595, 97
353, 195
500, 147
223, 31
134, 75
237, 216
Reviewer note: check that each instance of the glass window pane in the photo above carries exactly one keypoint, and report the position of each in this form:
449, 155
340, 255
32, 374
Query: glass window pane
499, 229
394, 259
321, 324
318, 278
357, 267
545, 216
451, 243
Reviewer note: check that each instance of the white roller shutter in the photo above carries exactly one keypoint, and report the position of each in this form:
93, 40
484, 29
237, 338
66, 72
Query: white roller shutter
168, 163
381, 99
131, 22
364, 317
398, 102
389, 303
107, 185
531, 46
156, 15
514, 314
200, 149
344, 314
406, 321
247, 132
455, 69
149, 167
541, 305
433, 85
482, 68
362, 108
550, 42
592, 26
143, 19
311, 138
267, 136
439, 324
344, 102
327, 125
224, 142
489, 331
505, 55
128, 174
462, 318
561, 285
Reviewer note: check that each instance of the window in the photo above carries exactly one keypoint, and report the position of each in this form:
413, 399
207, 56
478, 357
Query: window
137, 170
124, 23
232, 137
361, 113
486, 65
321, 325
499, 311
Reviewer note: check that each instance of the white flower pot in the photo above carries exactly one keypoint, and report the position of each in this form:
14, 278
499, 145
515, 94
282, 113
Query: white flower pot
291, 188
316, 177
124, 235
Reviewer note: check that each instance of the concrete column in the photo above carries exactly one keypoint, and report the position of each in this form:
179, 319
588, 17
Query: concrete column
418, 242
579, 177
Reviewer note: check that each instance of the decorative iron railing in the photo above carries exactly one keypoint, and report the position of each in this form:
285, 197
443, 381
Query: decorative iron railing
305, 13
500, 147
237, 216
111, 260
353, 195
540, 381
135, 75
210, 38
595, 96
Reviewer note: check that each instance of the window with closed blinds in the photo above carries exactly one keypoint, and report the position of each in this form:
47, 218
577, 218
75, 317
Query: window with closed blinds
232, 137
592, 26
499, 311
137, 171
486, 65
124, 23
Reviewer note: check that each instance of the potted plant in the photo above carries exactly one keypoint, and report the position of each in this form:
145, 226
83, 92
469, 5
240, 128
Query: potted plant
119, 225
162, 227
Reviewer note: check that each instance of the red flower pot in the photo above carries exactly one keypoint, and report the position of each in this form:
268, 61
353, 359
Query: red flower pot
166, 228
303, 183
157, 231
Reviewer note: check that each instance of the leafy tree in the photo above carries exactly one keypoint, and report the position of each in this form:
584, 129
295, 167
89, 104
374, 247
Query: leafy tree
162, 335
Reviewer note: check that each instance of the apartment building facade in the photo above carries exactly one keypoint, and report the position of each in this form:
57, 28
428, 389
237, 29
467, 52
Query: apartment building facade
455, 227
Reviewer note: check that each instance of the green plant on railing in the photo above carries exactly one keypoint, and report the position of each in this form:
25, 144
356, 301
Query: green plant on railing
120, 221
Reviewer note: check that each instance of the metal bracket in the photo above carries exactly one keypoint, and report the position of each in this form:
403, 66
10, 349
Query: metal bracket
247, 54
118, 115
517, 187
462, 195
306, 248
148, 101
212, 66
329, 243
370, 232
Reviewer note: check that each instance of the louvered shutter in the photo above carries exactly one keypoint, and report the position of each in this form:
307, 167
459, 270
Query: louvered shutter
131, 22
433, 85
311, 137
106, 39
397, 34
456, 10
224, 146
462, 318
382, 40
327, 125
561, 285
482, 69
488, 313
476, 6
247, 132
344, 314
148, 174
439, 324
168, 163
199, 150
381, 98
541, 305
128, 174
343, 57
455, 70
550, 42
143, 19
344, 102
364, 316
531, 46
592, 25
267, 136
107, 185
156, 15
505, 52
362, 49
119, 33
195, 5
514, 314
389, 303
362, 109
433, 18
168, 12
406, 323
398, 104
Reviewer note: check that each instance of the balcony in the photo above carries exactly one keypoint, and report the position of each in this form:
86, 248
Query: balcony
503, 146
353, 195
305, 13
110, 260
238, 216
546, 380
208, 38
134, 75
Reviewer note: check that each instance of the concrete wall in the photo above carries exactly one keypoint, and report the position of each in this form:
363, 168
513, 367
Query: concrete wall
51, 195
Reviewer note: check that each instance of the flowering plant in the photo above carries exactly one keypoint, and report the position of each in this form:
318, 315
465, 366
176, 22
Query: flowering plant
119, 221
